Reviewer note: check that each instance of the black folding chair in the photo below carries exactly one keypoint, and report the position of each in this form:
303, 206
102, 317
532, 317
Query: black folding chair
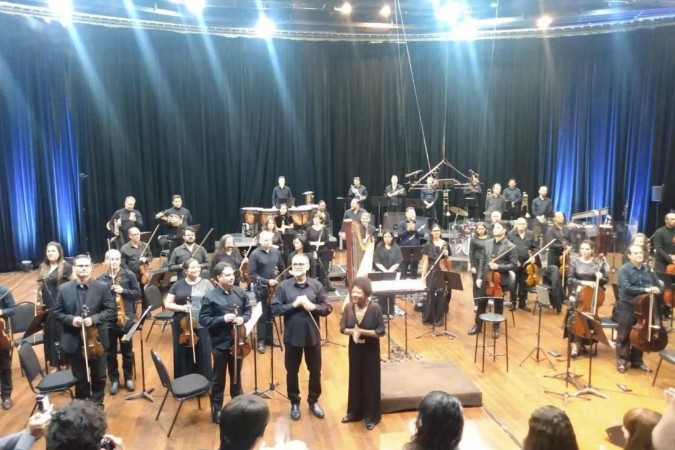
154, 296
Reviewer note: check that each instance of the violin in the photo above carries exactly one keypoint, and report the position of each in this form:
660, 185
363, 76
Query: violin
92, 343
493, 288
445, 265
188, 337
648, 333
119, 302
564, 261
532, 271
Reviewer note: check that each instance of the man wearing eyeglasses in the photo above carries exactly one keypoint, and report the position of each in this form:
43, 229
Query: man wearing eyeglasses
302, 301
74, 297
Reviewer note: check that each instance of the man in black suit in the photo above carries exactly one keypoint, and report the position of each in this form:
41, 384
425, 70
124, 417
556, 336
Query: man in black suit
68, 309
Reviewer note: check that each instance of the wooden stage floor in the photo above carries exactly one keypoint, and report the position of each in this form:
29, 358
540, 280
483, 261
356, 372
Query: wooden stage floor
509, 398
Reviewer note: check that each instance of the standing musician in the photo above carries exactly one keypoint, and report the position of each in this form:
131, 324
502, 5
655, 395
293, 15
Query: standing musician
185, 300
471, 195
387, 258
7, 310
123, 219
229, 253
497, 259
634, 279
176, 217
281, 193
526, 246
284, 221
265, 263
357, 190
540, 206
353, 213
512, 196
102, 312
53, 272
429, 196
584, 270
302, 301
476, 258
122, 283
395, 193
437, 304
561, 234
134, 254
410, 231
223, 308
495, 201
188, 250
664, 248
318, 236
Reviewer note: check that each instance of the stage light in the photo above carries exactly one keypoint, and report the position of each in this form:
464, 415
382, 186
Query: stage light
345, 9
450, 12
466, 30
544, 21
385, 11
62, 10
265, 28
196, 7
494, 4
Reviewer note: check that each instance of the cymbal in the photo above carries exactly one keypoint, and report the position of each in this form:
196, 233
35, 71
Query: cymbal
457, 210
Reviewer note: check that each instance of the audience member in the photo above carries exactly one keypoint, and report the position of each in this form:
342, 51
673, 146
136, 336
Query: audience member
550, 429
439, 423
663, 436
23, 440
80, 425
242, 422
638, 424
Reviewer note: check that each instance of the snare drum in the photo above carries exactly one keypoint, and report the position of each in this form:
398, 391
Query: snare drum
264, 214
248, 215
300, 215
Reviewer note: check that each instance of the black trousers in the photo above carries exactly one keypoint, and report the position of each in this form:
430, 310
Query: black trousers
625, 353
222, 360
408, 269
96, 369
264, 326
292, 360
519, 290
481, 303
6, 372
126, 349
364, 395
552, 274
436, 307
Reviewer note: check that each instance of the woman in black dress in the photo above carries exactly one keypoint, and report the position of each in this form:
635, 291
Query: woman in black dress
476, 257
388, 258
318, 236
53, 272
192, 287
229, 253
438, 300
583, 273
362, 321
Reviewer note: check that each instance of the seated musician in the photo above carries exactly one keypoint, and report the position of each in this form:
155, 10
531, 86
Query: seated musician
639, 239
229, 253
497, 259
322, 213
496, 201
410, 231
280, 192
635, 279
368, 230
188, 250
584, 270
495, 217
664, 253
271, 226
123, 219
353, 213
284, 221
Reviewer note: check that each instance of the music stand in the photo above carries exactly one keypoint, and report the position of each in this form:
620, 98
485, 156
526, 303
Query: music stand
595, 334
446, 281
127, 338
273, 385
543, 300
378, 201
385, 276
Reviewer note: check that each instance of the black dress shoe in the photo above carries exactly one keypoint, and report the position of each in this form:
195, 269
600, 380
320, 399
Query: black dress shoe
642, 366
526, 308
347, 419
370, 426
512, 307
474, 330
295, 411
261, 348
315, 409
130, 385
114, 387
621, 368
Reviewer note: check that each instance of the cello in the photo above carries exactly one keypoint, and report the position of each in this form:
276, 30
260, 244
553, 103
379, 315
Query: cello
590, 298
648, 333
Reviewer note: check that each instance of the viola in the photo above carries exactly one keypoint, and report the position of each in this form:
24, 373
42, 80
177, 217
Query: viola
445, 265
188, 337
532, 271
493, 288
5, 338
92, 342
119, 302
241, 346
648, 333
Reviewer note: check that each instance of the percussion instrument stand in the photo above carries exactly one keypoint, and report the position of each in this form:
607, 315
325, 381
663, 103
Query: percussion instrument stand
139, 326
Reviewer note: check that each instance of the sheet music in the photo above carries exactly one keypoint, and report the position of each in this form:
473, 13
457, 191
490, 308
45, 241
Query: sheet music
255, 315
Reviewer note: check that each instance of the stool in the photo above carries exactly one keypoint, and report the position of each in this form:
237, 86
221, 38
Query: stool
507, 305
668, 355
493, 319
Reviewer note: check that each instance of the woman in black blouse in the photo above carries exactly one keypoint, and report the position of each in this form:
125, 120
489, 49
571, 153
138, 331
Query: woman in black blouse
438, 300
229, 253
194, 288
284, 221
362, 321
271, 226
387, 258
583, 272
476, 256
53, 272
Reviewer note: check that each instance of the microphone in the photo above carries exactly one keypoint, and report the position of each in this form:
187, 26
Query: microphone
412, 174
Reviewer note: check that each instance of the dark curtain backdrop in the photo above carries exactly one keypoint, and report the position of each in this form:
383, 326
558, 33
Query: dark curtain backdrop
93, 114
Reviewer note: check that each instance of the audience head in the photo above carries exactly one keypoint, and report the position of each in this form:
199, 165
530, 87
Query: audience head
638, 424
440, 422
550, 429
242, 422
79, 425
